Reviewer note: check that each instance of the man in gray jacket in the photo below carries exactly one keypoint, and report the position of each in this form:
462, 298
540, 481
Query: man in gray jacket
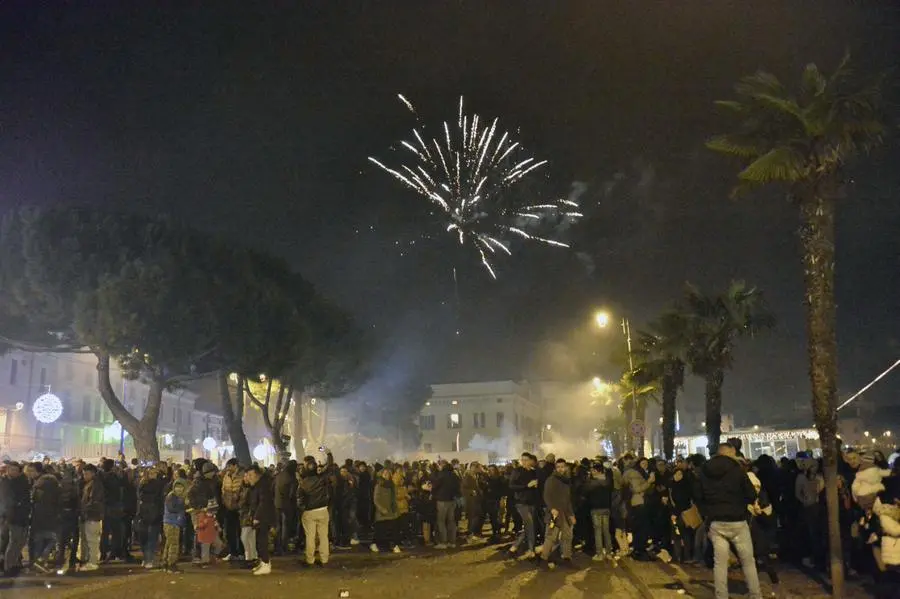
561, 514
638, 480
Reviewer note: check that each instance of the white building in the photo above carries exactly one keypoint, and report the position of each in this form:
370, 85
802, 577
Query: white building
85, 427
500, 417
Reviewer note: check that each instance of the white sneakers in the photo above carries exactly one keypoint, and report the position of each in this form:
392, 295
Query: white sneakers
373, 548
397, 549
262, 569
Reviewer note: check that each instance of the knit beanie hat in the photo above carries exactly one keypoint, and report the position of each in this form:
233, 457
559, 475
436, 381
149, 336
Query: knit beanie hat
866, 461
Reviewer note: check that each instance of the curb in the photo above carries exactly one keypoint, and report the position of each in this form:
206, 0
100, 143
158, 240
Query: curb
642, 587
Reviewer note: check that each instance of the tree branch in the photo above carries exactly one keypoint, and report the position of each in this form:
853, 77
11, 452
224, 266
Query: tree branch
38, 349
128, 421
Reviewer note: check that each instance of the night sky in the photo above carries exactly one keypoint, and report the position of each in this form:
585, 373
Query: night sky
254, 119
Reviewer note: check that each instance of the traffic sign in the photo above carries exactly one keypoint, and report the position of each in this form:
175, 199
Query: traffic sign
637, 428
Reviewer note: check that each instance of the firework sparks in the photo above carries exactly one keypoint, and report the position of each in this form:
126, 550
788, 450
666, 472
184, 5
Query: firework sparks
466, 173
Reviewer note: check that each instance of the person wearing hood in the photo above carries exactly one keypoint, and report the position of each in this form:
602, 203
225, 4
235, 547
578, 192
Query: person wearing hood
44, 513
560, 513
313, 499
723, 492
202, 490
174, 520
286, 506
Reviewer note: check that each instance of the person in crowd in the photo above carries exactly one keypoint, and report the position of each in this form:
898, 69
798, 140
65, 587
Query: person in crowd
93, 512
346, 497
639, 481
286, 506
232, 483
524, 483
472, 489
723, 492
150, 514
208, 532
423, 504
494, 492
248, 532
174, 521
68, 537
560, 513
762, 528
364, 495
262, 508
687, 517
598, 494
808, 486
404, 521
44, 513
445, 488
386, 514
112, 542
15, 516
313, 499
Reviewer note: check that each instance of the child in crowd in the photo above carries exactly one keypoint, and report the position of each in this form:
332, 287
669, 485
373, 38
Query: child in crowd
208, 531
173, 522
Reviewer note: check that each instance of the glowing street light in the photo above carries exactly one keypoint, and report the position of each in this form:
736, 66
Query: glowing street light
602, 319
549, 427
887, 433
865, 433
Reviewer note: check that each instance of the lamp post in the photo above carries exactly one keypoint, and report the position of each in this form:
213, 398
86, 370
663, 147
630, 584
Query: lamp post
603, 319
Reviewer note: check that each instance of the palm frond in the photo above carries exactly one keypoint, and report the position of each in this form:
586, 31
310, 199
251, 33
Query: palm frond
731, 144
812, 83
778, 164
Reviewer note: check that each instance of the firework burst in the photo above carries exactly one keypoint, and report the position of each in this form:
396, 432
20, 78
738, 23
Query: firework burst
466, 173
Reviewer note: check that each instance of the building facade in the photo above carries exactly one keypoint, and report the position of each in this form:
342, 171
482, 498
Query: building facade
84, 427
503, 418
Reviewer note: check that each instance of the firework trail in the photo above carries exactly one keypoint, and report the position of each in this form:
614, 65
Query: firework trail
466, 173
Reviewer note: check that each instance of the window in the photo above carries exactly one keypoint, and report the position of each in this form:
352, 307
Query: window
426, 422
478, 419
500, 416
453, 421
427, 447
13, 371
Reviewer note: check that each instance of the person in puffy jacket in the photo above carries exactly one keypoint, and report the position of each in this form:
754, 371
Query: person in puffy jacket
44, 513
524, 485
639, 480
15, 500
232, 485
248, 533
150, 514
93, 510
445, 489
174, 520
286, 506
386, 513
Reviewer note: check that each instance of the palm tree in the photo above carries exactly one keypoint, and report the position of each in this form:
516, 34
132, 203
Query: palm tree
804, 140
714, 324
660, 359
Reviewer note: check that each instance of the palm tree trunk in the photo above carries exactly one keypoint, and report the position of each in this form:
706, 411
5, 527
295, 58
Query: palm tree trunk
640, 414
817, 238
669, 394
714, 382
628, 409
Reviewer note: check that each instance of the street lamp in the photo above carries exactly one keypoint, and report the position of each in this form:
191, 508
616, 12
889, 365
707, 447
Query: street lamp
602, 319
887, 433
865, 433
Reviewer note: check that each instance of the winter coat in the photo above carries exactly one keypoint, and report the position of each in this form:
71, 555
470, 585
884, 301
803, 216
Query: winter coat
522, 493
244, 506
150, 502
231, 491
558, 495
867, 484
175, 511
93, 504
15, 501
262, 501
402, 493
112, 494
68, 500
286, 489
206, 529
386, 501
46, 504
495, 489
637, 484
598, 493
201, 492
682, 492
445, 485
723, 490
807, 489
313, 491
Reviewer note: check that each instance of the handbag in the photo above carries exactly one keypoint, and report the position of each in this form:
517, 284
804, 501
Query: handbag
691, 517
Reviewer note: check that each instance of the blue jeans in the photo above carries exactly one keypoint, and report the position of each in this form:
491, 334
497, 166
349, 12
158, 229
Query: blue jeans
526, 512
41, 543
151, 544
602, 537
723, 535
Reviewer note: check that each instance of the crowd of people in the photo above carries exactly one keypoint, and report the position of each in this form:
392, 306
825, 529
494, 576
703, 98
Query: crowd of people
66, 516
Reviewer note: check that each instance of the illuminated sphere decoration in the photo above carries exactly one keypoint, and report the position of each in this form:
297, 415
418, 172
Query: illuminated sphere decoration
47, 408
209, 444
259, 452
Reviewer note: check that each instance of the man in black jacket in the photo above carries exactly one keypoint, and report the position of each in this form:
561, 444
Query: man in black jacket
44, 515
524, 485
313, 497
286, 506
723, 492
598, 494
560, 513
93, 510
262, 514
445, 488
15, 497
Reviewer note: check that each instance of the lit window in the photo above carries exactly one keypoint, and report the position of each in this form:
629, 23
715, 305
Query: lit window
453, 421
